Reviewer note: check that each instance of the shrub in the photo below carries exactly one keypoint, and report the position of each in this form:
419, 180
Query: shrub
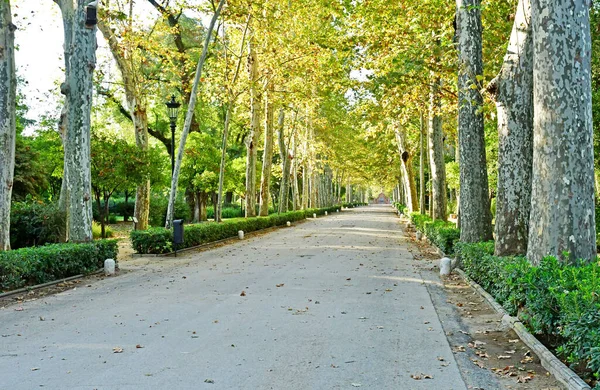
159, 240
158, 209
35, 223
442, 234
29, 266
557, 301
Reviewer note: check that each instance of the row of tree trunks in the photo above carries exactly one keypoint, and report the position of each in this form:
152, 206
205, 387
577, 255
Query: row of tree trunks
8, 84
253, 136
265, 182
285, 165
437, 163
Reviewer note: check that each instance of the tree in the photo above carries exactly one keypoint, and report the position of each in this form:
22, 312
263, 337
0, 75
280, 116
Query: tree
408, 177
78, 88
513, 93
116, 165
562, 200
436, 152
252, 139
8, 92
189, 117
475, 215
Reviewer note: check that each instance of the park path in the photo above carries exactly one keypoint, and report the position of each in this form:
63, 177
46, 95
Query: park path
351, 311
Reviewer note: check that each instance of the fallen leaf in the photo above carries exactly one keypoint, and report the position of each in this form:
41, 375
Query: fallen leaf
243, 294
348, 278
513, 341
139, 346
117, 350
280, 285
209, 381
504, 357
35, 368
19, 308
356, 385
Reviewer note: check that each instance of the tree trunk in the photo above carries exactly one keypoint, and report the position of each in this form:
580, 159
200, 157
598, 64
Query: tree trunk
514, 104
475, 215
8, 84
284, 187
436, 153
203, 201
252, 139
265, 181
189, 116
196, 195
562, 201
422, 140
218, 213
407, 172
77, 146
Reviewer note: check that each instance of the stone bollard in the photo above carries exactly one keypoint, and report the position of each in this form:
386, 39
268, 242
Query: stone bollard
419, 235
314, 215
288, 224
109, 267
325, 213
445, 266
337, 211
241, 234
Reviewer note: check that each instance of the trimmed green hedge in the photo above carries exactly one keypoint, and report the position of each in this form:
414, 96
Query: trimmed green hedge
442, 234
353, 205
35, 265
558, 302
160, 240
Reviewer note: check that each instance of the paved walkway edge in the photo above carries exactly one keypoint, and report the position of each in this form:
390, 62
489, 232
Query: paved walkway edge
550, 362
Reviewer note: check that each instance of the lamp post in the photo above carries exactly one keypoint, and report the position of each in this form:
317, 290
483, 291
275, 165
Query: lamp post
173, 108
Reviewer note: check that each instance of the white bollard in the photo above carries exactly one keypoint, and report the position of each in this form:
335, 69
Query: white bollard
337, 211
288, 224
445, 266
314, 215
325, 213
241, 234
419, 235
109, 267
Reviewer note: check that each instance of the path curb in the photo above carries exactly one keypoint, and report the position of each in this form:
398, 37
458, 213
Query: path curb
48, 284
561, 372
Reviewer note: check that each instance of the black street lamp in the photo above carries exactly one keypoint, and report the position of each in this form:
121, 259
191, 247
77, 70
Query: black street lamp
173, 108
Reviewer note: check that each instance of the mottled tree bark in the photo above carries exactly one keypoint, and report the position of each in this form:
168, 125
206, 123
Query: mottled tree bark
79, 88
408, 177
475, 214
436, 153
513, 89
265, 181
8, 83
562, 201
422, 139
284, 187
252, 139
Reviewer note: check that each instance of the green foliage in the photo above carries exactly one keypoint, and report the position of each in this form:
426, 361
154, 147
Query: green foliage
97, 231
442, 234
158, 209
159, 240
30, 266
555, 300
35, 223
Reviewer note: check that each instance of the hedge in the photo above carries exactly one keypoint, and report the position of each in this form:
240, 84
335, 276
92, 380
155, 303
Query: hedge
160, 240
442, 234
558, 302
35, 265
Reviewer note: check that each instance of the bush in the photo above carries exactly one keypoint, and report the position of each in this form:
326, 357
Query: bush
556, 301
226, 212
30, 266
442, 234
159, 240
158, 209
35, 223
